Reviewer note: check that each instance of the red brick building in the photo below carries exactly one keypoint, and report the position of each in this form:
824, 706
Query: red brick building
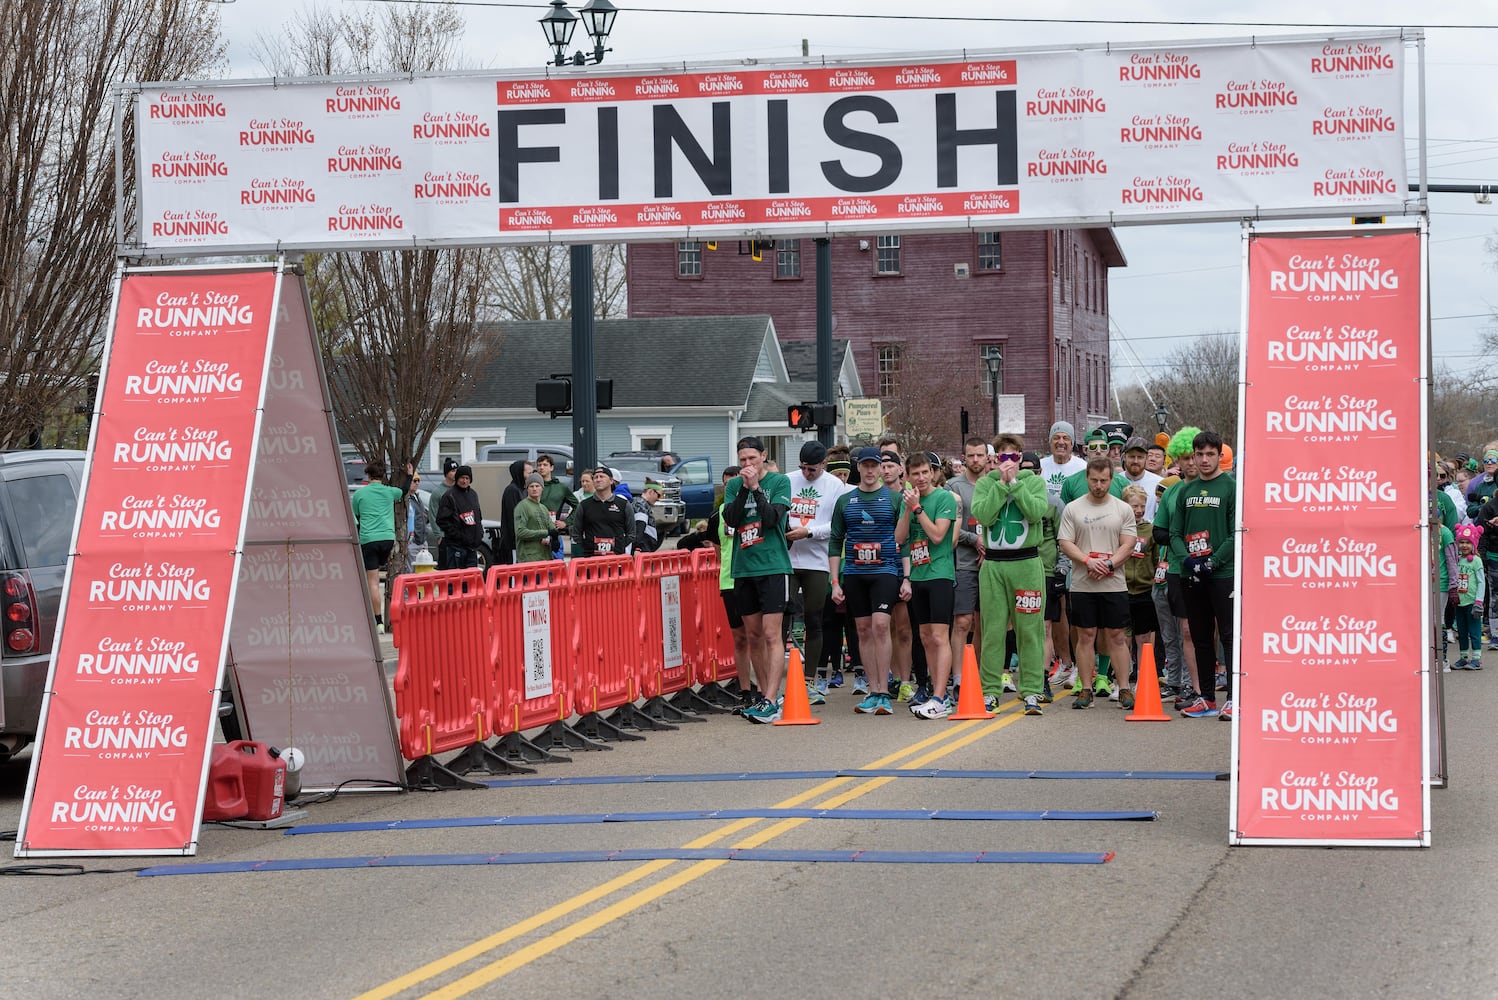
922, 312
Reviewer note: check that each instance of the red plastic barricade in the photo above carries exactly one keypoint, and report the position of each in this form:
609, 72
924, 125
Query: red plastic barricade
606, 653
669, 654
531, 608
714, 635
440, 626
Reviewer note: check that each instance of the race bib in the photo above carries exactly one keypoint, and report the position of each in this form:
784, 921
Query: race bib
920, 553
603, 546
749, 535
1028, 602
1461, 584
1139, 552
1161, 568
466, 517
804, 508
1199, 543
866, 553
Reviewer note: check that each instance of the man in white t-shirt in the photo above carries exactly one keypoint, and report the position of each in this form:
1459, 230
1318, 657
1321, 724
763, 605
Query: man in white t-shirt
1097, 534
1061, 462
814, 493
1136, 453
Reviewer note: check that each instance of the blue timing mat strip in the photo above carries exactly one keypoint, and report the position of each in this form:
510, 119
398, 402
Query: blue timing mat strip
571, 819
638, 779
639, 854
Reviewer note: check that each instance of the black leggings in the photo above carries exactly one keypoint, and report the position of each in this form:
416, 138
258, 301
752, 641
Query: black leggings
812, 585
837, 627
1209, 610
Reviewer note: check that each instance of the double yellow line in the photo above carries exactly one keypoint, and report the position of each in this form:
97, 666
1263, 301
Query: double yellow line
964, 733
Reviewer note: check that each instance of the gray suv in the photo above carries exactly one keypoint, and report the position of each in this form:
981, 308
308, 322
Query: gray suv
38, 502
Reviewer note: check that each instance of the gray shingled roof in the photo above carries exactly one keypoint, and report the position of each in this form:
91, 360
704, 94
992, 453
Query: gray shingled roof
665, 361
801, 359
768, 400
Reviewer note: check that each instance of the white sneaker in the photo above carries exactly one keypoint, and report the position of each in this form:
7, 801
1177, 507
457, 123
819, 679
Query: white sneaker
934, 708
1113, 695
1065, 676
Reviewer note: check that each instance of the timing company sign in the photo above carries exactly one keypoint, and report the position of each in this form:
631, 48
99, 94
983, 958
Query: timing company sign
1259, 127
128, 720
1329, 726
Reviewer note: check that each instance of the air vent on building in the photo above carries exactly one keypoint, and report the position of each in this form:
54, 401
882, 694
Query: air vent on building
962, 271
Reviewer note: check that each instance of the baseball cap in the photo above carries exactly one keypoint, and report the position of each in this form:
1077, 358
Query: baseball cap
1097, 435
813, 452
866, 455
890, 456
1136, 444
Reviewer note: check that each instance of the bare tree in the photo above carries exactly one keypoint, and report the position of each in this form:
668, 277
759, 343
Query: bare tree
925, 410
535, 282
1198, 384
400, 327
59, 63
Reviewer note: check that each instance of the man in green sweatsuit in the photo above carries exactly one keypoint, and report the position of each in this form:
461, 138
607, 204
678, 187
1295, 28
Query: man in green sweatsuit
1009, 505
535, 529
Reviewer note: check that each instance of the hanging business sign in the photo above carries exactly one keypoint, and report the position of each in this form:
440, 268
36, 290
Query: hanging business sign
1101, 135
1329, 730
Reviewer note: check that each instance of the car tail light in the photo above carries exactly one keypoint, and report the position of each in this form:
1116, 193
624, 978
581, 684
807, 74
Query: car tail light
18, 613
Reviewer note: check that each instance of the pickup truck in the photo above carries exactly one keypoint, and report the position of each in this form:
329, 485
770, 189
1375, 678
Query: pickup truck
696, 484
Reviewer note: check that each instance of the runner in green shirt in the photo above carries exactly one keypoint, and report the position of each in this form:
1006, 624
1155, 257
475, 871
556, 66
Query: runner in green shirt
755, 503
926, 517
374, 510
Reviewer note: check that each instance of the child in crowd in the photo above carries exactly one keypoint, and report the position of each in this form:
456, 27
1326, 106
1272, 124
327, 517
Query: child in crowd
1469, 599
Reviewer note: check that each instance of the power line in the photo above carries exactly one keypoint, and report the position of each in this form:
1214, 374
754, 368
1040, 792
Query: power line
977, 19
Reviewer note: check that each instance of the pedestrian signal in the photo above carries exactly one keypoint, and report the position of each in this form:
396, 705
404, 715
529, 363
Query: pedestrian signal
799, 416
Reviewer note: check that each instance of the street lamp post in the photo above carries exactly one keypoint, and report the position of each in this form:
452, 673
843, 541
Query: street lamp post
995, 361
558, 26
1161, 414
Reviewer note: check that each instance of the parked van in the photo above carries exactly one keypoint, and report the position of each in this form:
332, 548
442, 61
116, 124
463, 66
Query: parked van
39, 493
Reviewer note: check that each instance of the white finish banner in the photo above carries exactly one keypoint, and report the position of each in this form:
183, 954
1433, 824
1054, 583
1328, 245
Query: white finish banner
975, 141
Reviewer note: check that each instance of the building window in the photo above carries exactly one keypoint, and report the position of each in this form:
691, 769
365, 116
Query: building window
985, 352
650, 437
448, 449
787, 258
989, 258
887, 255
889, 370
689, 259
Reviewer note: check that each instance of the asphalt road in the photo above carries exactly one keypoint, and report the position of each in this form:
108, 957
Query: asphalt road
1175, 913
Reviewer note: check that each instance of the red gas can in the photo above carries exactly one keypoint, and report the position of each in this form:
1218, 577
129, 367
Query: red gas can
264, 779
224, 798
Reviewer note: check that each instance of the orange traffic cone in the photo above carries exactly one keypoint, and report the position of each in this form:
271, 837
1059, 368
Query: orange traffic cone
797, 708
1147, 707
970, 692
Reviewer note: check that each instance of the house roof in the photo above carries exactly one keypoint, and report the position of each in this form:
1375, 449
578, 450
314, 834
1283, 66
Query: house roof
654, 361
1106, 241
801, 358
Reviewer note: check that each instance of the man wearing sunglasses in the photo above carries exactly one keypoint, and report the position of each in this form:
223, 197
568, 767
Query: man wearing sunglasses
1009, 506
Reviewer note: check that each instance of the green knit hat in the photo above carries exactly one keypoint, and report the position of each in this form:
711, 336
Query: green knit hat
1181, 444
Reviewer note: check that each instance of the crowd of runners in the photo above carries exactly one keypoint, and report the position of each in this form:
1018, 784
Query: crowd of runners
883, 567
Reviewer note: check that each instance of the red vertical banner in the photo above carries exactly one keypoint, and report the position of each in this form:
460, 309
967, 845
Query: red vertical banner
128, 719
1329, 729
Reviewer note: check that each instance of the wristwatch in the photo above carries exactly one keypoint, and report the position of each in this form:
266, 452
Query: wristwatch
1109, 561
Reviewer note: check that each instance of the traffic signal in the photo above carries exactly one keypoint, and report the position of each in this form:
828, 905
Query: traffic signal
824, 415
799, 416
1367, 220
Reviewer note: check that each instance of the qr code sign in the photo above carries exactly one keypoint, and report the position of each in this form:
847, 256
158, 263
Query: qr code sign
537, 670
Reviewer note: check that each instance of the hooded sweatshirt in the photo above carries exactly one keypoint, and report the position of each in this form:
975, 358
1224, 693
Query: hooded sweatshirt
513, 494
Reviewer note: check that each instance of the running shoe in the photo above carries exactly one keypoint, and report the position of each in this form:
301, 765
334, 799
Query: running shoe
1065, 676
1475, 663
1445, 667
934, 708
1493, 647
1222, 680
1007, 679
1200, 709
1083, 700
762, 711
1100, 686
990, 703
836, 680
1113, 695
814, 695
1046, 697
1185, 696
884, 706
874, 704
905, 693
1451, 635
922, 695
822, 684
860, 681
1126, 699
1032, 705
1226, 712
1460, 664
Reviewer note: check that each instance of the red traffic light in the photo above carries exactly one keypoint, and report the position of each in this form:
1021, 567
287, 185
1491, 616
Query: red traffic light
799, 417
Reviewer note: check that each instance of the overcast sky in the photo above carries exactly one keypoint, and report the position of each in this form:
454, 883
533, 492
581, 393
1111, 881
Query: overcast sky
1182, 280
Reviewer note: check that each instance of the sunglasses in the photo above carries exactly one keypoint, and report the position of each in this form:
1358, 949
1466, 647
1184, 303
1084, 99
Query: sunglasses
1009, 456
1097, 447
1490, 460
